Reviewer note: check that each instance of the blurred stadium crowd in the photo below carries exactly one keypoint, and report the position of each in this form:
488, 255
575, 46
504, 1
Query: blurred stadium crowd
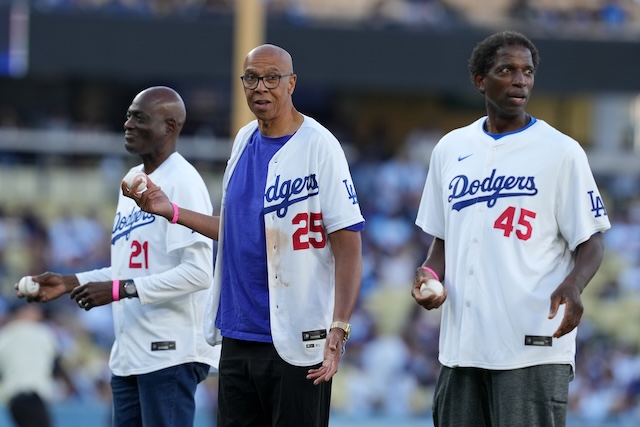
391, 361
554, 15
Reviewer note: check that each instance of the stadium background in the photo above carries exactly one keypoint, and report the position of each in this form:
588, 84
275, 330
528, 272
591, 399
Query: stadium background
388, 77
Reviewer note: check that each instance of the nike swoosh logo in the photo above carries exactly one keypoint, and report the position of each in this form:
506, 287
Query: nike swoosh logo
461, 158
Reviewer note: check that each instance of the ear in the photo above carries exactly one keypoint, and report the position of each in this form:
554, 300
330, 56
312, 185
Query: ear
478, 81
170, 126
292, 84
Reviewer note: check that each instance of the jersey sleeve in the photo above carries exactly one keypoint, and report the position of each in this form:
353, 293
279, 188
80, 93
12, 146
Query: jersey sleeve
431, 214
195, 269
98, 275
581, 211
340, 207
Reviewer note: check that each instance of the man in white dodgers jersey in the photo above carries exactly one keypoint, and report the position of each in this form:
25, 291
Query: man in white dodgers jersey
517, 223
289, 262
158, 280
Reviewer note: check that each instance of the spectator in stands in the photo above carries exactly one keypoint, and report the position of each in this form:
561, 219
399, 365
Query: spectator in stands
30, 366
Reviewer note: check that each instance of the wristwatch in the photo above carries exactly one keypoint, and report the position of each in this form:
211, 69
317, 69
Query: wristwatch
344, 326
130, 288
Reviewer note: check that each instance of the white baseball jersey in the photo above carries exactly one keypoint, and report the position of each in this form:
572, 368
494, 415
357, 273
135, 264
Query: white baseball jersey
309, 193
172, 268
510, 212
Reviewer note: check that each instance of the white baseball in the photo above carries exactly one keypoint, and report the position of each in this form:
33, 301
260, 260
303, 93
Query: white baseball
26, 286
131, 176
432, 286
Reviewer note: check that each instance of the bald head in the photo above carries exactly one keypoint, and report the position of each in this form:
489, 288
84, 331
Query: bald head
274, 53
164, 101
154, 122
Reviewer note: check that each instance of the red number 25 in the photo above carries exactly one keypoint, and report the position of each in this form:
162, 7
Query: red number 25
309, 232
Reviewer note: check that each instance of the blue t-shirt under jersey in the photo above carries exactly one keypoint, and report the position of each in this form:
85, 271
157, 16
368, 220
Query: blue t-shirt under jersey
244, 300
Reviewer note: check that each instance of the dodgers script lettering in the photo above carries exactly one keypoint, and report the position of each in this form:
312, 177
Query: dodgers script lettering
489, 189
284, 191
124, 224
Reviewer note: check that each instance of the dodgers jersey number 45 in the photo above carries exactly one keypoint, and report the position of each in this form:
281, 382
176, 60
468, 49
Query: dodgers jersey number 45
530, 196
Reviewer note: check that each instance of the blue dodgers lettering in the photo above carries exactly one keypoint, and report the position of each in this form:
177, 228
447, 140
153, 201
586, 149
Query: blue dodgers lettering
284, 192
490, 188
124, 224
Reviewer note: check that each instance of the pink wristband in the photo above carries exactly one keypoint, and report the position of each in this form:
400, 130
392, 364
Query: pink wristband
433, 273
115, 290
175, 213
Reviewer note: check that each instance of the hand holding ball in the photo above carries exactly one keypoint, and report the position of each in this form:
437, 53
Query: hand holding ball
27, 287
131, 176
432, 286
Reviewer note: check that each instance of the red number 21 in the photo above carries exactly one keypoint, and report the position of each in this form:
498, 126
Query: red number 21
310, 232
139, 250
505, 222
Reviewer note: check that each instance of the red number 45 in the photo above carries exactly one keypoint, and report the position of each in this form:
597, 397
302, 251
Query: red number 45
505, 222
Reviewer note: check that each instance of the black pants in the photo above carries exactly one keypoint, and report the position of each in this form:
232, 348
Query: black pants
29, 410
259, 389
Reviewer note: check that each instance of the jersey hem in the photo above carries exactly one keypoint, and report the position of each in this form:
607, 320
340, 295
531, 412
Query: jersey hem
147, 370
506, 367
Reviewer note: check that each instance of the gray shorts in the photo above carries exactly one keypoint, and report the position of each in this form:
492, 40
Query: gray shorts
528, 397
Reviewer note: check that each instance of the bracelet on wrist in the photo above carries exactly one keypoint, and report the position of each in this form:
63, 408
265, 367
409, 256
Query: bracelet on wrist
115, 290
433, 273
175, 213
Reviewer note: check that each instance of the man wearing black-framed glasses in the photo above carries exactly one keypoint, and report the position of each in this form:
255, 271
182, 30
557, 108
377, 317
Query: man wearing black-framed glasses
271, 81
291, 266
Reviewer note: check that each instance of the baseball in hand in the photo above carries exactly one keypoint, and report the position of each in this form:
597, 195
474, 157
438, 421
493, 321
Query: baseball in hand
26, 286
432, 286
129, 178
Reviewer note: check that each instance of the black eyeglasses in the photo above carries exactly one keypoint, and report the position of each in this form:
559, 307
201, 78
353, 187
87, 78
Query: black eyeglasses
271, 81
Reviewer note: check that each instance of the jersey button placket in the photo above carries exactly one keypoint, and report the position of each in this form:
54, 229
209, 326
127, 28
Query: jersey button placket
491, 158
